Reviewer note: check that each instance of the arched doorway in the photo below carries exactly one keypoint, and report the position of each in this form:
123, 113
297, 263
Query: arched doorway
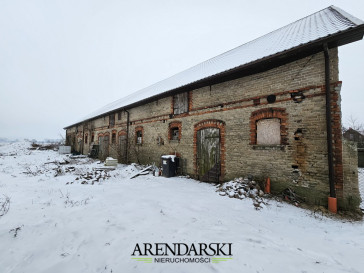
209, 141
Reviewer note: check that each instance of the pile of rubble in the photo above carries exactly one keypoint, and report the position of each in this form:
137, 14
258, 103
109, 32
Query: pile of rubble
290, 196
44, 147
242, 188
91, 177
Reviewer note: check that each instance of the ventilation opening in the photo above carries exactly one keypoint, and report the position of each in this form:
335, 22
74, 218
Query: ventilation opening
297, 97
271, 98
298, 134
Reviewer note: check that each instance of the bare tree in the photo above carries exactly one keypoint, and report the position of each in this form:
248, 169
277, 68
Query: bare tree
354, 124
63, 140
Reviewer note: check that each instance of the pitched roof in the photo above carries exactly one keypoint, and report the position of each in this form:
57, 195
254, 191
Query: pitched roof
323, 24
351, 130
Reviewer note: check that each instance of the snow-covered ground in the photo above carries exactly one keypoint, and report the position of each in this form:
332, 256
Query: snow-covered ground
361, 186
57, 224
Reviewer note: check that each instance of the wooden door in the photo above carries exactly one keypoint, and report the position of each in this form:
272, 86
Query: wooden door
103, 147
208, 154
122, 149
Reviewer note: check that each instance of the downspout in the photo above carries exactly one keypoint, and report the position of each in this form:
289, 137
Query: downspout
127, 136
329, 130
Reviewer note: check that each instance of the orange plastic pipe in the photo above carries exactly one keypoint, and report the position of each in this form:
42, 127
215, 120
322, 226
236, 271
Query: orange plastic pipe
267, 185
332, 204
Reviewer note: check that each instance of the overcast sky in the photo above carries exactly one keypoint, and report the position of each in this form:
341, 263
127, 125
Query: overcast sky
62, 59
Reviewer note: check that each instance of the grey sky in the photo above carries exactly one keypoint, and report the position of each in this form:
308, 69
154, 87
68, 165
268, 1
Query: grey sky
61, 59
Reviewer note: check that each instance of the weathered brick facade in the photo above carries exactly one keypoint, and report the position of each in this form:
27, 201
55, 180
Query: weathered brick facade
234, 106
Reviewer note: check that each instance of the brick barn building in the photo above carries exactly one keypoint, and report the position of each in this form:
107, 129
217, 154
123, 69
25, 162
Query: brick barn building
261, 109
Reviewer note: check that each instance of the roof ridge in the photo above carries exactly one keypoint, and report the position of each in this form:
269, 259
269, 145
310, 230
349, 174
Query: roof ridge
225, 52
251, 41
221, 54
318, 25
230, 50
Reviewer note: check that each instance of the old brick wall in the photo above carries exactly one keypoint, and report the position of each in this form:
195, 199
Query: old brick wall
299, 161
351, 196
361, 157
73, 138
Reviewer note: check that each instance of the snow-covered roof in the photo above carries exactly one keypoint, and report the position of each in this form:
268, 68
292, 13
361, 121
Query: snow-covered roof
322, 24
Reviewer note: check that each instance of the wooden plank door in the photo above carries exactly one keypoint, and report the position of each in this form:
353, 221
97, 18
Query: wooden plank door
122, 149
103, 147
208, 154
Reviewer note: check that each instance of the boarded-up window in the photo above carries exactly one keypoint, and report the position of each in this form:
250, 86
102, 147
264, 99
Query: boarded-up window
180, 103
113, 138
269, 131
86, 138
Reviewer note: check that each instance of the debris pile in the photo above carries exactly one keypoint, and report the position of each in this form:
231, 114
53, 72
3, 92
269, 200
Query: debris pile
33, 171
70, 169
44, 147
289, 195
91, 177
242, 188
151, 169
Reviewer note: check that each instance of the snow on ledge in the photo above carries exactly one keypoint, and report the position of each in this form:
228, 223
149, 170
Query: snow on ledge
172, 157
